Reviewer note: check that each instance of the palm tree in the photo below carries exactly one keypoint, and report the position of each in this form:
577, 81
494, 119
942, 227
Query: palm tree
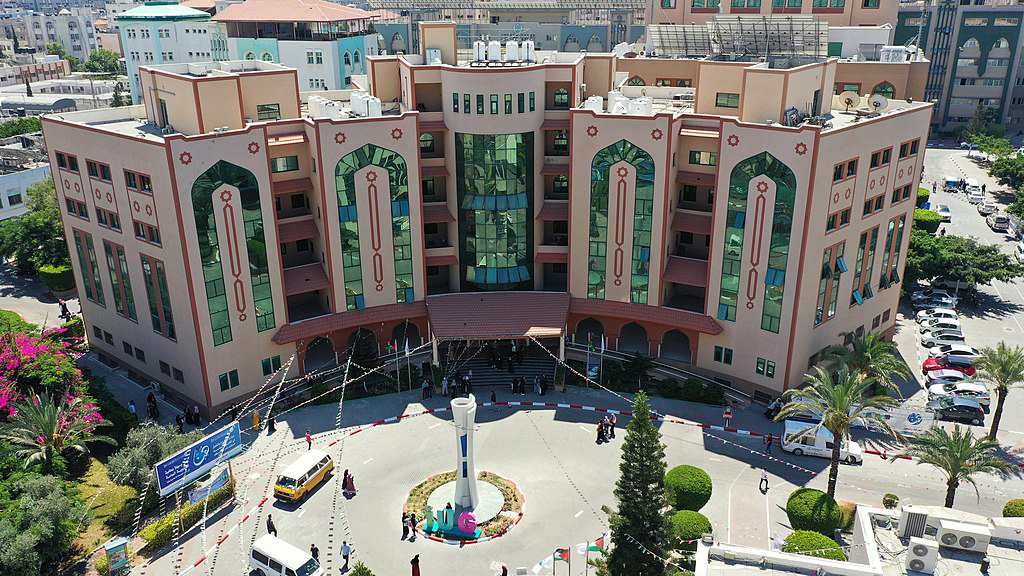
44, 429
839, 401
959, 456
1002, 367
871, 355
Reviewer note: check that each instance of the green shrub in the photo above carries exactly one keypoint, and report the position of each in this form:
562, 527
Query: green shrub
922, 196
1014, 508
160, 532
13, 322
687, 525
693, 390
810, 509
927, 220
714, 394
112, 410
103, 564
688, 487
56, 278
360, 569
810, 543
890, 501
75, 328
669, 388
847, 515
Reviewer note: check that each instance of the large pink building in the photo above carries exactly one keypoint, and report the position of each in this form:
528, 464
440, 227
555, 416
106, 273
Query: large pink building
733, 225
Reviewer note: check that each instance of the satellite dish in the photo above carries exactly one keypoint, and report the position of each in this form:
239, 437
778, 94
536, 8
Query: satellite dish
850, 99
878, 101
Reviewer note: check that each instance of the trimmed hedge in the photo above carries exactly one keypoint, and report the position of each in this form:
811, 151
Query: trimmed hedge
688, 487
160, 532
687, 525
1014, 508
927, 220
922, 196
811, 543
56, 278
691, 390
810, 509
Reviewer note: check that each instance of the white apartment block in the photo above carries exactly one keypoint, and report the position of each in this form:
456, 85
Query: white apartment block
72, 29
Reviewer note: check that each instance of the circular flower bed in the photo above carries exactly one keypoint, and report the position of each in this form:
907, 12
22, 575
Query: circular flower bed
511, 509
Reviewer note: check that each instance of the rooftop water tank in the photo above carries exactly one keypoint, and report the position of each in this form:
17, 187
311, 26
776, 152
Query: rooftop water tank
512, 51
494, 51
528, 52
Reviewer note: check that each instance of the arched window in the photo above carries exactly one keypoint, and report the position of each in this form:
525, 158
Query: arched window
884, 89
560, 186
397, 43
267, 57
348, 58
250, 56
636, 81
561, 143
571, 43
561, 98
356, 58
595, 44
1001, 43
426, 143
971, 43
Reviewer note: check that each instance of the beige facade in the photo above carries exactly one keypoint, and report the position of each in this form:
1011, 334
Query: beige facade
691, 222
850, 13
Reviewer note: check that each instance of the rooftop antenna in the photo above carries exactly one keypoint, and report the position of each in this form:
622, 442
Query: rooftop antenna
850, 99
878, 102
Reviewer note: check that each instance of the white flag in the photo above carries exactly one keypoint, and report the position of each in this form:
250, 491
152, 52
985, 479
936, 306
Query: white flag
603, 341
582, 548
406, 347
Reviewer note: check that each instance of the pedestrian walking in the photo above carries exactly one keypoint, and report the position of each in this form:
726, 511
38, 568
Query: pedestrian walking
415, 563
764, 481
346, 551
543, 384
405, 525
768, 439
536, 384
423, 388
612, 420
133, 409
350, 486
769, 411
255, 420
309, 441
314, 552
271, 529
412, 527
444, 386
188, 414
197, 420
600, 432
181, 423
271, 422
494, 397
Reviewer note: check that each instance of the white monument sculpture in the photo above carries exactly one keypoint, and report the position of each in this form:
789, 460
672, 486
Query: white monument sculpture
464, 416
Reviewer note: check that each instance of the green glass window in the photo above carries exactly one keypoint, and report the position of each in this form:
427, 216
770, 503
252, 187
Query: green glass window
727, 100
828, 4
284, 164
601, 183
893, 274
228, 380
883, 277
495, 195
155, 278
522, 102
268, 111
533, 101
479, 103
120, 283
862, 270
703, 158
455, 101
401, 231
90, 269
494, 103
206, 198
561, 98
819, 311
508, 103
271, 365
723, 355
426, 143
466, 100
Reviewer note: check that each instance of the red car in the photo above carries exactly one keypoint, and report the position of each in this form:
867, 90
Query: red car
950, 363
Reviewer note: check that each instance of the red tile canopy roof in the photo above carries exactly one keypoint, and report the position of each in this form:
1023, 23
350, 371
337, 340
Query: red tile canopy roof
496, 315
644, 313
291, 11
688, 271
374, 316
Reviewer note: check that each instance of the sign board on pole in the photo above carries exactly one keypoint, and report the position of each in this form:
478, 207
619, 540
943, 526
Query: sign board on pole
198, 459
202, 492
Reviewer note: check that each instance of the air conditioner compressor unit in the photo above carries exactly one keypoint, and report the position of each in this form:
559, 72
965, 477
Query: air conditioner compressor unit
922, 555
961, 536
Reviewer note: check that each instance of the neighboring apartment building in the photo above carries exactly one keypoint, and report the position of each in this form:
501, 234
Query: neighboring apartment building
975, 54
167, 32
327, 43
835, 12
13, 187
47, 70
85, 93
54, 6
719, 220
72, 29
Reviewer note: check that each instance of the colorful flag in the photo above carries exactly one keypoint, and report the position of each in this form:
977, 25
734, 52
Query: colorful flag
562, 554
595, 546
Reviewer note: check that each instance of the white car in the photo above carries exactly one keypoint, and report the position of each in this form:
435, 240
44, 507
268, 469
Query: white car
1018, 252
935, 376
936, 313
986, 208
958, 350
939, 324
930, 293
936, 302
970, 390
945, 212
975, 196
950, 284
930, 339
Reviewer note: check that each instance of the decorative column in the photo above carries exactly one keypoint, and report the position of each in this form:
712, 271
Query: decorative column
464, 417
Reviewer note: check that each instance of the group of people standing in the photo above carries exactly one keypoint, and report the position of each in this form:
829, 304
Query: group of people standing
497, 355
606, 428
459, 383
540, 385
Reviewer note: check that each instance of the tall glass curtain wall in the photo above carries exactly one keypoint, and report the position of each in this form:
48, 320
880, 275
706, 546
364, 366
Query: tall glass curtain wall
495, 194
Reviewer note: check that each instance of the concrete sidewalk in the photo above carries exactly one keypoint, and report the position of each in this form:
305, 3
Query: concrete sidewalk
126, 390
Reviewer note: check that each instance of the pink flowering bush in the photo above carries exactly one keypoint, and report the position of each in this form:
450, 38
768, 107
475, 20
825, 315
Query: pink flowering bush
37, 364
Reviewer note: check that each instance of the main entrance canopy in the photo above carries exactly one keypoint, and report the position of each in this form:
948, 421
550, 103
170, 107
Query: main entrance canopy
497, 315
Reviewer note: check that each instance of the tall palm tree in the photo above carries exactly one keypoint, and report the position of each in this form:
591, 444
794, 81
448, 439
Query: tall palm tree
1002, 367
44, 429
871, 355
839, 402
960, 456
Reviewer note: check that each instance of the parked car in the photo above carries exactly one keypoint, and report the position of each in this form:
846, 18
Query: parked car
970, 390
936, 302
975, 196
800, 441
957, 410
956, 350
951, 284
939, 324
998, 222
935, 313
930, 293
945, 212
1018, 252
962, 365
966, 146
930, 339
944, 375
986, 208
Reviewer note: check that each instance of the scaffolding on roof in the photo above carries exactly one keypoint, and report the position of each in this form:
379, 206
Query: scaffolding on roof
743, 37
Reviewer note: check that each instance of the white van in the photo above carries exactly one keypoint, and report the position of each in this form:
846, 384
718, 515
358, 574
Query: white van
271, 556
972, 185
798, 441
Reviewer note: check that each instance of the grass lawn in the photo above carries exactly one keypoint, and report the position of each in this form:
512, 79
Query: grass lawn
107, 504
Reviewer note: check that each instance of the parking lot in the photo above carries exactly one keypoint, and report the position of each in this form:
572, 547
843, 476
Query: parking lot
999, 312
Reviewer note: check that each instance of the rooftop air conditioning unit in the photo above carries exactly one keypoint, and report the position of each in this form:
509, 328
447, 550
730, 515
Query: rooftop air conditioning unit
912, 522
922, 555
892, 54
960, 536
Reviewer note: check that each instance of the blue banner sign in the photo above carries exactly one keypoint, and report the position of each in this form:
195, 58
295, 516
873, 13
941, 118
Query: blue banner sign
199, 493
198, 459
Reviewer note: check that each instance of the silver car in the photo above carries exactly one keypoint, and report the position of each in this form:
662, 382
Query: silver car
945, 212
930, 339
